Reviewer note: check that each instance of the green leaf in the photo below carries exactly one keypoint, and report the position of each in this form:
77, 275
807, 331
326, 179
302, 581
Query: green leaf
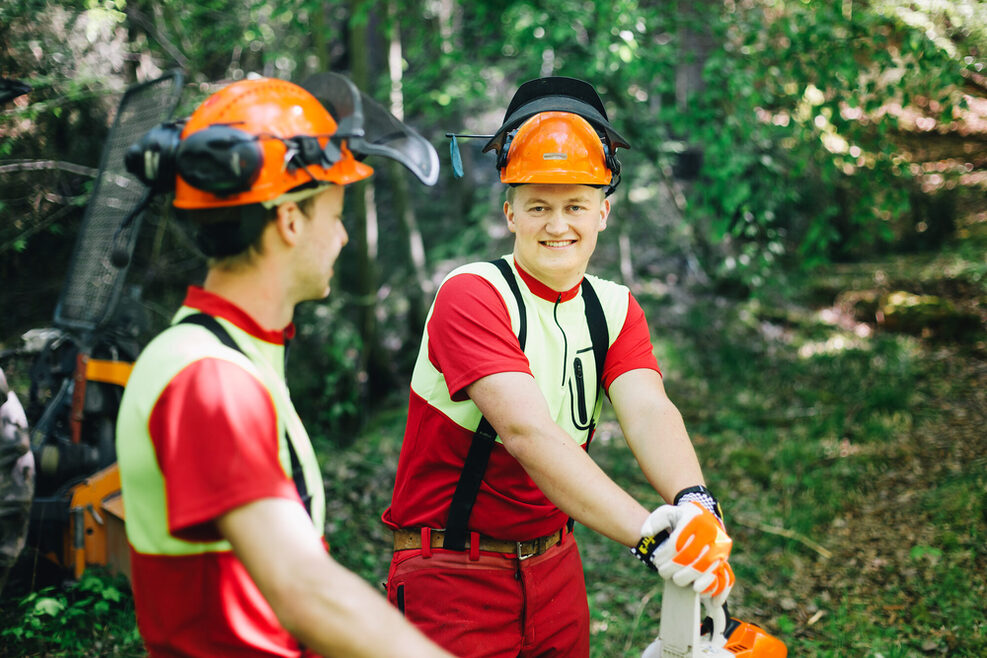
48, 606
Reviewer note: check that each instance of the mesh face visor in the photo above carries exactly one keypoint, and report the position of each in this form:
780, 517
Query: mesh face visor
369, 129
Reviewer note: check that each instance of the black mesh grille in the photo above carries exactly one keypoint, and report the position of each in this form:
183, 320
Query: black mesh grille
93, 283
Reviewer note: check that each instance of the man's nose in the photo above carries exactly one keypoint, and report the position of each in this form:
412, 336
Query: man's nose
556, 223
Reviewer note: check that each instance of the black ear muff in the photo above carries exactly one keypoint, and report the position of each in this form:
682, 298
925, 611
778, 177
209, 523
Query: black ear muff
502, 153
613, 164
220, 159
152, 158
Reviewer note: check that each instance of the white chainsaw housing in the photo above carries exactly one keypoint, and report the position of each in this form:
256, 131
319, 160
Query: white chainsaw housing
678, 634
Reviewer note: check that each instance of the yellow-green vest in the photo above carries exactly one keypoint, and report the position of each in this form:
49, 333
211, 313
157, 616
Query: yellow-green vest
558, 347
141, 479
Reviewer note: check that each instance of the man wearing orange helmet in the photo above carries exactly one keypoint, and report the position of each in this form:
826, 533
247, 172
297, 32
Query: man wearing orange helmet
224, 499
504, 401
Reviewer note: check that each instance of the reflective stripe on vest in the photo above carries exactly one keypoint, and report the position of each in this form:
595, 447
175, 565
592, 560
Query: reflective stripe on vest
141, 479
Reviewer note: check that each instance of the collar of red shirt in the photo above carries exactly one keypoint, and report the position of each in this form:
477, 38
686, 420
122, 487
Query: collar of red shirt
213, 304
541, 290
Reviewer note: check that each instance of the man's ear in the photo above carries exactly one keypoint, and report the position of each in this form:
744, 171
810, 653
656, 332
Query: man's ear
288, 222
509, 215
604, 213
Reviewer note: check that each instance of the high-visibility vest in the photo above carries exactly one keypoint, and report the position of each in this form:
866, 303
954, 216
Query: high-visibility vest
565, 344
142, 482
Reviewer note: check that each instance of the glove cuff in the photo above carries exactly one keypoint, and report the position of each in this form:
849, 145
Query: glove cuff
703, 496
645, 549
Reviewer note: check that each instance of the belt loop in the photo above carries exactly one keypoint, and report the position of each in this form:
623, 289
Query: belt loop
474, 546
426, 543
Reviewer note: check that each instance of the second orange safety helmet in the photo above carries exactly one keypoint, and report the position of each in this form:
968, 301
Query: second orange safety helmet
253, 141
556, 147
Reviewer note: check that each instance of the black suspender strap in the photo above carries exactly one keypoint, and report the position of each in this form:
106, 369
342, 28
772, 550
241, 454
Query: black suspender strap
600, 337
213, 325
522, 315
484, 438
468, 486
481, 445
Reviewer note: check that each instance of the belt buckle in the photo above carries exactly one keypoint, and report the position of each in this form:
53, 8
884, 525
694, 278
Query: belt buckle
524, 556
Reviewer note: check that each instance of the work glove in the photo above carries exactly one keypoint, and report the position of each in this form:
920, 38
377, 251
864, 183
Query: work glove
696, 550
686, 542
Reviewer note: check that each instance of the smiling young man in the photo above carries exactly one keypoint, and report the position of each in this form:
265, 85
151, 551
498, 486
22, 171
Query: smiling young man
505, 397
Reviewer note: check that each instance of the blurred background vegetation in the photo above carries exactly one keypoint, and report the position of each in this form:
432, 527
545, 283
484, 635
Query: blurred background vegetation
802, 215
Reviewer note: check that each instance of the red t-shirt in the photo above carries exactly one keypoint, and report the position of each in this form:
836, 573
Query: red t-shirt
215, 436
469, 337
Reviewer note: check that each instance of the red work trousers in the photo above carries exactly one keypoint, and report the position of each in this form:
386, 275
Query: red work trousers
495, 606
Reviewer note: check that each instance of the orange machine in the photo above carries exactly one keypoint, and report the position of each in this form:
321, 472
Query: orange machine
91, 509
95, 534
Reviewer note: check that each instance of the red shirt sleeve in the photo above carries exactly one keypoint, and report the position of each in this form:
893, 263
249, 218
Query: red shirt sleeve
632, 349
215, 434
470, 334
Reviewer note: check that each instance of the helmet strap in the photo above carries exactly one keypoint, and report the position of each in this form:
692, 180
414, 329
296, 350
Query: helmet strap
297, 195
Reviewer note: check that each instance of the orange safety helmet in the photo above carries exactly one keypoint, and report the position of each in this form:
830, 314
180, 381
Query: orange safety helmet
253, 141
556, 147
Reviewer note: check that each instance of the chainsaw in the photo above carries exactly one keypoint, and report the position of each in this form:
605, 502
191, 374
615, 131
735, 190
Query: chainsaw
684, 634
681, 635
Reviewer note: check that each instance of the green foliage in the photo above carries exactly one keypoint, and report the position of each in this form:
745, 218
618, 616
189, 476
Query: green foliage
92, 617
798, 136
325, 372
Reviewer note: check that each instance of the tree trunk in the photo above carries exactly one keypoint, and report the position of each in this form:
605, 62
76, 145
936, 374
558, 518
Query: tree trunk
418, 287
372, 361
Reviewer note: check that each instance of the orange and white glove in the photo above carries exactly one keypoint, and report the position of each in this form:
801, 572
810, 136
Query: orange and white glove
697, 546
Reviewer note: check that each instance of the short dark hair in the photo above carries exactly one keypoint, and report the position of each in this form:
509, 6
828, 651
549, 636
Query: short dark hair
222, 233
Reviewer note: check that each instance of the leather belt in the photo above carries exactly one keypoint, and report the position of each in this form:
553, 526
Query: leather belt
405, 539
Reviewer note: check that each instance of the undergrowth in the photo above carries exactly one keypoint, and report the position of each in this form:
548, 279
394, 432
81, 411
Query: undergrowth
89, 618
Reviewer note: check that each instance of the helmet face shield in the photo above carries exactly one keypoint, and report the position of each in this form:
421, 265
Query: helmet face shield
369, 129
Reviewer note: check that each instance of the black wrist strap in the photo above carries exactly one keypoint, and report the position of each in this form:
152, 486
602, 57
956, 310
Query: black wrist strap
701, 495
647, 547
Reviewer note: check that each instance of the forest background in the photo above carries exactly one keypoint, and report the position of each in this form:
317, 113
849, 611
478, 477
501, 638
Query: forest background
802, 216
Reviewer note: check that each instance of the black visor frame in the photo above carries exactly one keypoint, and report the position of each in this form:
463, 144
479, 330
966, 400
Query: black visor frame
556, 94
369, 129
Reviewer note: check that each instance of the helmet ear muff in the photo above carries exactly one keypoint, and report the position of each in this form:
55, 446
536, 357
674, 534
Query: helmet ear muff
152, 158
220, 159
613, 164
502, 153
